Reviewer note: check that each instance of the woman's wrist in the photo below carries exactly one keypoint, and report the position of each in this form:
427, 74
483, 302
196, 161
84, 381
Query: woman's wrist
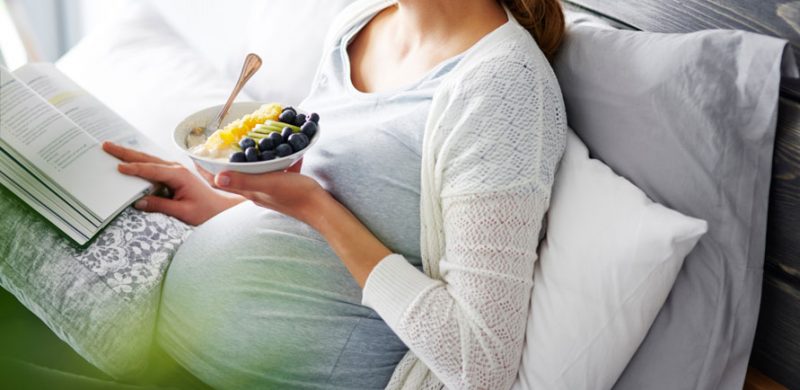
319, 208
230, 200
226, 200
354, 244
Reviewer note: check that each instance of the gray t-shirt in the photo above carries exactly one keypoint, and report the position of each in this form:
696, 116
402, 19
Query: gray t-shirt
256, 299
369, 152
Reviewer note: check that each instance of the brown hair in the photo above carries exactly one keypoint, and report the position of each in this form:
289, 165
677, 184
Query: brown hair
544, 19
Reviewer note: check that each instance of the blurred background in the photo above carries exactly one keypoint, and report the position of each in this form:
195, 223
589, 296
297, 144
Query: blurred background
43, 30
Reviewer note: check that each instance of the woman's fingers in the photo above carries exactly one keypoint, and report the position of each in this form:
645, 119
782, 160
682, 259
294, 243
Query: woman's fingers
204, 174
248, 186
238, 182
130, 155
171, 175
296, 166
155, 204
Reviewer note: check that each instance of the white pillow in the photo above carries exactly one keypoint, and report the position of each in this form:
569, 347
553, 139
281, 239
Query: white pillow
606, 266
287, 34
142, 69
291, 49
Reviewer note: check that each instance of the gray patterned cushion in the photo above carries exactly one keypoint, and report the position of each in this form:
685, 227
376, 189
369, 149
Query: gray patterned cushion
101, 299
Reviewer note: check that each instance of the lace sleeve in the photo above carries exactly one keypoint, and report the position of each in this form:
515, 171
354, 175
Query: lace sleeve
470, 331
506, 135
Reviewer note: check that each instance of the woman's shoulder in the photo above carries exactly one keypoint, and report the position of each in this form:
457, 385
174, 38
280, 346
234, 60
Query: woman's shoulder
506, 56
501, 111
505, 72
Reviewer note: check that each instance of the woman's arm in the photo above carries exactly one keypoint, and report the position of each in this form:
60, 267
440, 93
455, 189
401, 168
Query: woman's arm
469, 327
302, 198
288, 192
504, 132
357, 247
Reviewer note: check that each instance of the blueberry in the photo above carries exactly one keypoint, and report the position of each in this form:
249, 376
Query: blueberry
314, 117
283, 150
309, 129
289, 108
251, 154
287, 117
298, 141
238, 157
276, 138
285, 134
299, 120
267, 143
247, 142
268, 155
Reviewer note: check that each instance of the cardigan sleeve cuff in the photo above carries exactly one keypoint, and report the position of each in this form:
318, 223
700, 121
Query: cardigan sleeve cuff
392, 287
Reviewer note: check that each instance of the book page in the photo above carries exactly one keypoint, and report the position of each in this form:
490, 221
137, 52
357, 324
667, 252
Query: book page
43, 194
57, 148
54, 216
88, 112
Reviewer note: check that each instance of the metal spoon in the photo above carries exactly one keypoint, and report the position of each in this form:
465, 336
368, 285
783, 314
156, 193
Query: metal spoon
251, 64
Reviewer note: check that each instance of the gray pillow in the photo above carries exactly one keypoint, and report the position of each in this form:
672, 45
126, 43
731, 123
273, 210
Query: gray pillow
102, 299
690, 119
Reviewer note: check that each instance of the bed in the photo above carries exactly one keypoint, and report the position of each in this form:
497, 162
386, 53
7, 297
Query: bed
776, 350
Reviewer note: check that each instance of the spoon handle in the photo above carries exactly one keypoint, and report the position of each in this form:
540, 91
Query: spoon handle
251, 64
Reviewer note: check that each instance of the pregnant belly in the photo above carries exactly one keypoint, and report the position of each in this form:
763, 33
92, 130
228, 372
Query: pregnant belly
255, 299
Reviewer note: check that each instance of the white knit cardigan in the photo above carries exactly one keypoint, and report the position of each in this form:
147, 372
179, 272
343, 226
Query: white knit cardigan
494, 136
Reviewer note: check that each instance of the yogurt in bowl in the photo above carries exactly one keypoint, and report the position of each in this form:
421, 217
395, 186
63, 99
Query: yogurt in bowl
215, 157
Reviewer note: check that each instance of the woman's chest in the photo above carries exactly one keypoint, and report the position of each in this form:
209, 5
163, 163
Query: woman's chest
368, 156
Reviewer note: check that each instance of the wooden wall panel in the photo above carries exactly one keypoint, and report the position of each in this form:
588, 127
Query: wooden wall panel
783, 232
776, 351
756, 380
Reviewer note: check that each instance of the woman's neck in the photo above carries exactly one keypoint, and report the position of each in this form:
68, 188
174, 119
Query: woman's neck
405, 41
421, 23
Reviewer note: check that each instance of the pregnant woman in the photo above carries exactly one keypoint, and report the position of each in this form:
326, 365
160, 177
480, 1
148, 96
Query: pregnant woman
401, 255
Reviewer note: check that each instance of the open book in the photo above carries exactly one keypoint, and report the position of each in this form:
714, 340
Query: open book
51, 133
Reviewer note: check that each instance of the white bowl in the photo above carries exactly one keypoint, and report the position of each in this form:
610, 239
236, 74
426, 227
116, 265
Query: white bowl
238, 110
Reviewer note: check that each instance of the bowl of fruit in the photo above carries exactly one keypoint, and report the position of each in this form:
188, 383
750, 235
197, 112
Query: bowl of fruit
254, 138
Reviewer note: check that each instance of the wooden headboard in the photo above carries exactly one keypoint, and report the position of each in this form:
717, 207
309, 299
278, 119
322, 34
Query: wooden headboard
776, 351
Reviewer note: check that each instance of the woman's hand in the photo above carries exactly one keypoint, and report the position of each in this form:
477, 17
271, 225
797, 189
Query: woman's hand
193, 202
286, 192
